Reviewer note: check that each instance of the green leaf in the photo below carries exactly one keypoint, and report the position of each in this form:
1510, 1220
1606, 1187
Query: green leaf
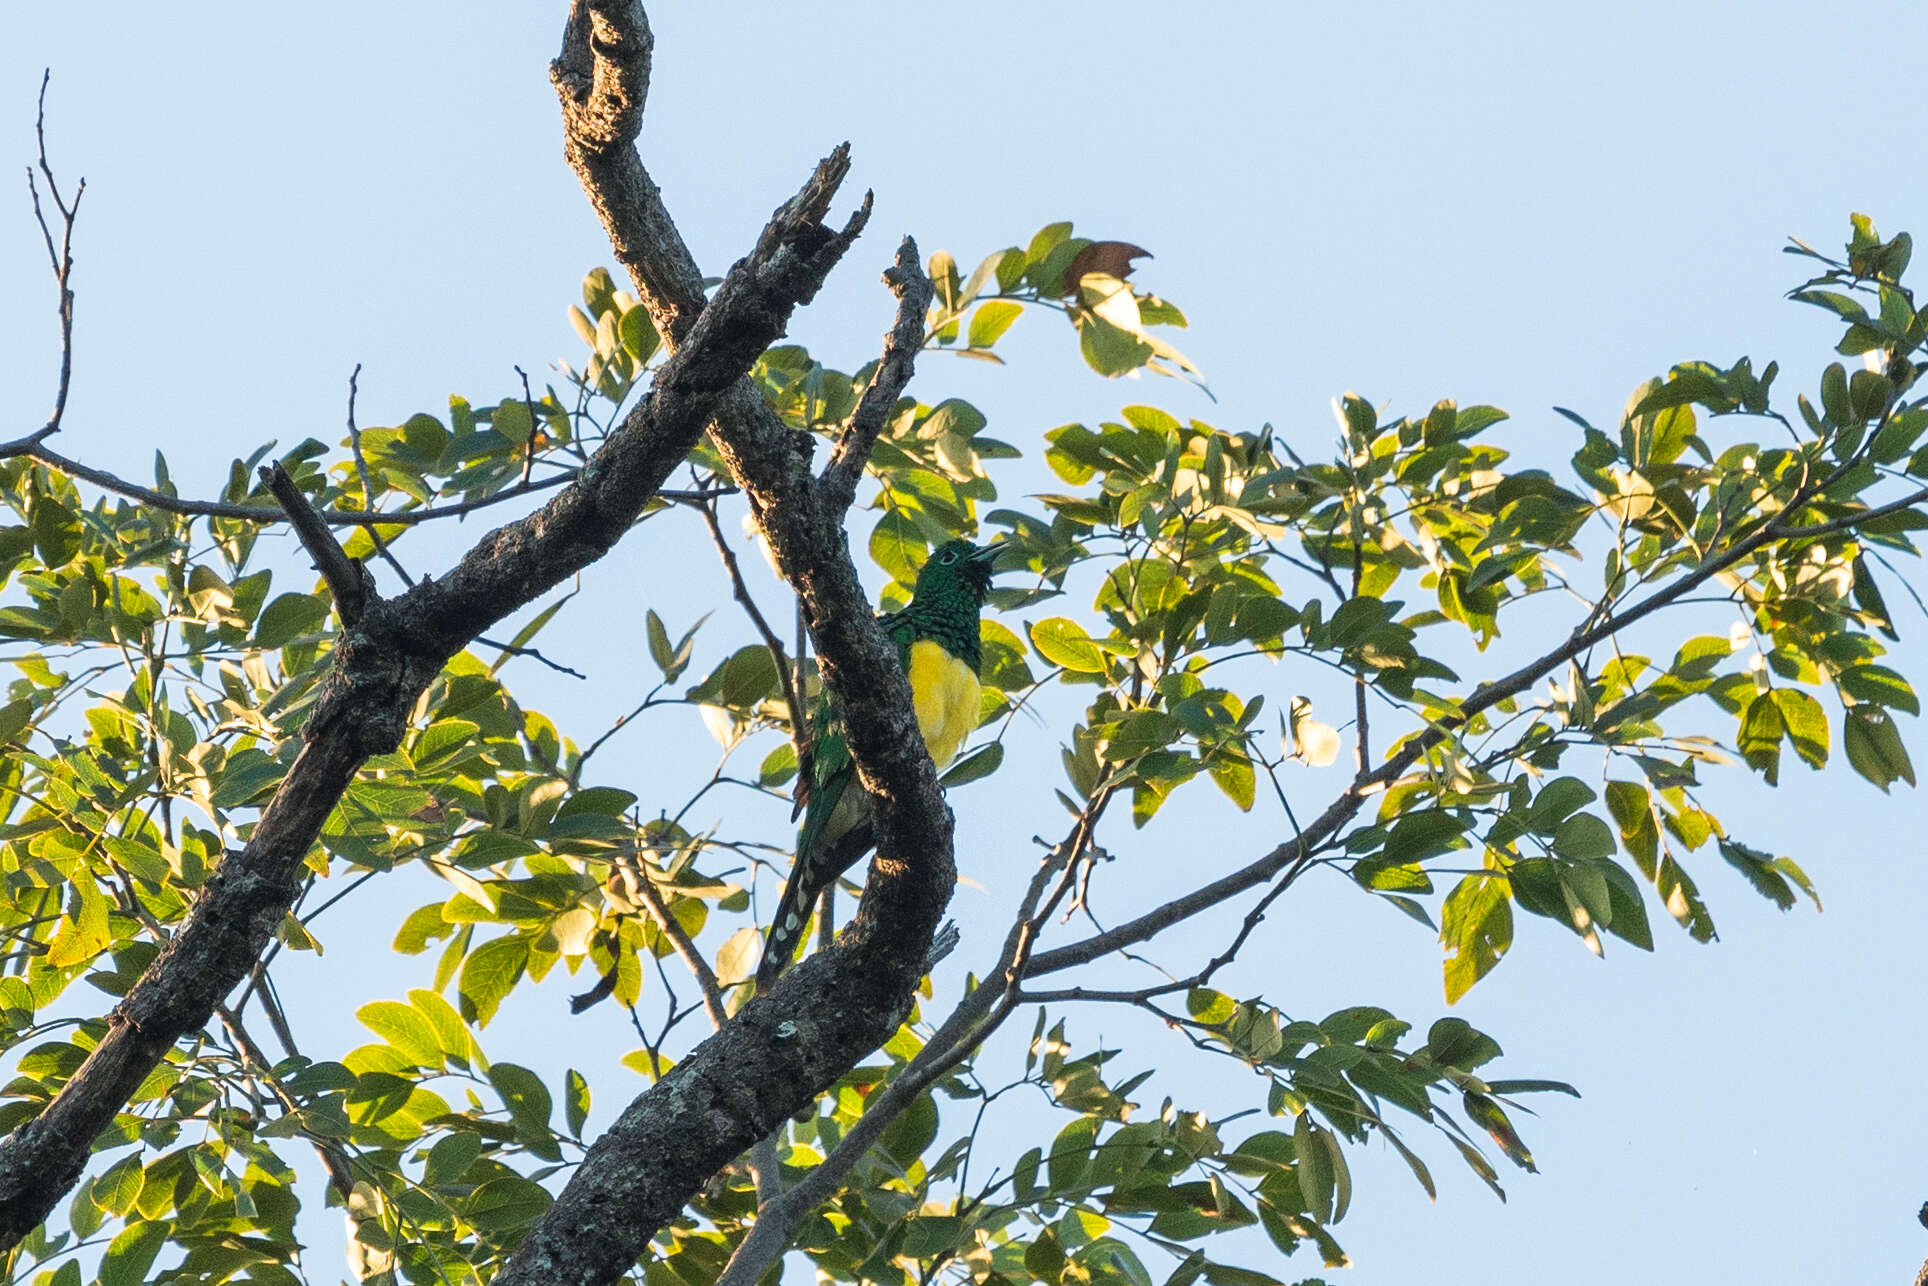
513, 421
638, 334
737, 959
489, 973
505, 1203
1315, 1173
1875, 683
1063, 642
1629, 919
1110, 350
1628, 802
405, 1029
1492, 1118
423, 925
1583, 836
1209, 1006
659, 646
1759, 869
56, 533
451, 1158
289, 617
1806, 724
1531, 1087
1235, 776
132, 1253
1476, 924
451, 1037
980, 763
898, 546
911, 1131
779, 766
524, 1094
1070, 1158
1140, 732
1762, 726
116, 1190
575, 1101
991, 320
1874, 746
14, 717
598, 801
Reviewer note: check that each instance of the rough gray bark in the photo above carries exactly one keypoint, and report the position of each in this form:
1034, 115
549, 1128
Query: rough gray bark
381, 666
782, 1049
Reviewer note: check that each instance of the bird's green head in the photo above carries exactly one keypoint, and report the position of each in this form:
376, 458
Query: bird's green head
957, 570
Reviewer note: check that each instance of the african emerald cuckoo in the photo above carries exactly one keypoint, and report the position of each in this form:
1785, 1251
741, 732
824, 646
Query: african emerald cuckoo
937, 644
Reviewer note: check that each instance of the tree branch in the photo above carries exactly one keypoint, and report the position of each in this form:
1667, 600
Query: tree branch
347, 581
977, 1016
381, 666
902, 342
781, 1049
32, 447
637, 882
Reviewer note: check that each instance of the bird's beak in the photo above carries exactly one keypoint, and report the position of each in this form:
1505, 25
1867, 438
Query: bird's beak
986, 555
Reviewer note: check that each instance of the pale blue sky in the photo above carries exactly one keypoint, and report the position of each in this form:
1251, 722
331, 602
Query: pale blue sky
1516, 204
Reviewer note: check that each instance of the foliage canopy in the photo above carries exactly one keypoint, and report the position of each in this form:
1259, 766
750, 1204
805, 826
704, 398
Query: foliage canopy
1161, 603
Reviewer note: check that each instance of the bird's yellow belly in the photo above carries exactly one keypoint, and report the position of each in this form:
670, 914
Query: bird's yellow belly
945, 692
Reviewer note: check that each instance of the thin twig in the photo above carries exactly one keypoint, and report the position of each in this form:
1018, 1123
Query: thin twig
638, 884
529, 447
515, 650
792, 697
61, 260
32, 446
367, 482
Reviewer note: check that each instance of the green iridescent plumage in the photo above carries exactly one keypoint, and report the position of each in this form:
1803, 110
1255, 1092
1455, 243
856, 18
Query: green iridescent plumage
943, 611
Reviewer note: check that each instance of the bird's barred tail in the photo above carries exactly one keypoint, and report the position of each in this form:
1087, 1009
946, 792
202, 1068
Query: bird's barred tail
786, 928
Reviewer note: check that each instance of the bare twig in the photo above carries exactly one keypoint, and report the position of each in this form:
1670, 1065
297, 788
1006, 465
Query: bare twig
347, 579
31, 446
638, 884
535, 428
333, 1160
514, 650
792, 695
368, 482
61, 259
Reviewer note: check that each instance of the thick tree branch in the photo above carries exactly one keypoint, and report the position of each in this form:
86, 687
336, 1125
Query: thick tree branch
913, 289
602, 78
968, 1026
782, 1049
382, 665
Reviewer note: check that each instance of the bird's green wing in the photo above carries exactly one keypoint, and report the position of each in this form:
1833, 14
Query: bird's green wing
830, 774
830, 810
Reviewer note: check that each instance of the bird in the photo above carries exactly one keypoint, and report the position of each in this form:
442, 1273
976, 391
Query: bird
937, 640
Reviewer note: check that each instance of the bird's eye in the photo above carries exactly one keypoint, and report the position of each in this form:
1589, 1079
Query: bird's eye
949, 556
